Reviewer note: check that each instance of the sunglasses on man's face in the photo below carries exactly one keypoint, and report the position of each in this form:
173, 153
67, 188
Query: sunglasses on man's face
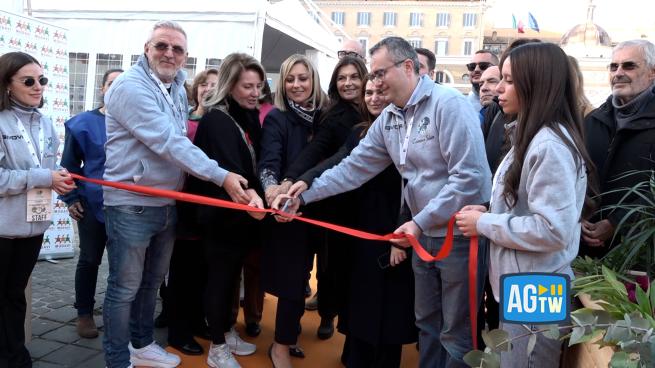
30, 81
628, 65
163, 47
483, 66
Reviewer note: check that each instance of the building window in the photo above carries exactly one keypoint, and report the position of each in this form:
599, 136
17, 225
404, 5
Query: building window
213, 63
389, 19
415, 42
134, 59
443, 20
468, 47
190, 68
443, 77
338, 17
441, 47
470, 20
104, 62
78, 66
416, 19
363, 19
364, 42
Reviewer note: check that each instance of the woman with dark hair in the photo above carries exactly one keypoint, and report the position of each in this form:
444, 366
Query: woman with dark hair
381, 290
229, 133
28, 175
539, 195
286, 254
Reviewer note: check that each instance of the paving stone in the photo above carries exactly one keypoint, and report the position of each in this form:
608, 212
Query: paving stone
40, 347
98, 361
95, 343
66, 334
58, 304
41, 326
61, 315
70, 356
42, 364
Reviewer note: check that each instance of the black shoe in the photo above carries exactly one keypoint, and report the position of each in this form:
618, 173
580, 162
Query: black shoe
296, 351
189, 348
162, 320
326, 329
253, 329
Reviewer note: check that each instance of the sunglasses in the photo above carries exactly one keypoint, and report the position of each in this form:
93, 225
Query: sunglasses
344, 53
483, 66
30, 81
163, 47
628, 65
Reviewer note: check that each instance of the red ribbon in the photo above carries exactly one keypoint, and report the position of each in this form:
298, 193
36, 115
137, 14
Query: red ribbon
444, 251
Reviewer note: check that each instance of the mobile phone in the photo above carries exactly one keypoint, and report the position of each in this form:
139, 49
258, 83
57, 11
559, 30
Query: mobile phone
384, 260
286, 205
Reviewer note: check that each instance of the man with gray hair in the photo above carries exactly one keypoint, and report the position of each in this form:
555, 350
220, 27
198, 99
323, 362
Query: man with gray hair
434, 138
620, 137
146, 114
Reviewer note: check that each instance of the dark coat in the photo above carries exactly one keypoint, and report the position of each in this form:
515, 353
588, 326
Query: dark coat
493, 129
220, 138
286, 253
615, 152
380, 300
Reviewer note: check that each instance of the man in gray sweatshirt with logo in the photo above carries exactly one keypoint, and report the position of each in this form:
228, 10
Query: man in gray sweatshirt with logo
433, 137
146, 114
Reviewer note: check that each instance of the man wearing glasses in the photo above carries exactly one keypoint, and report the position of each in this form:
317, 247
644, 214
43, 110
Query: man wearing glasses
434, 138
146, 113
482, 59
351, 48
620, 137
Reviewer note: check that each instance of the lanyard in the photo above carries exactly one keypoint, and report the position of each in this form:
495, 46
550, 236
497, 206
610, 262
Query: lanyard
404, 146
28, 140
170, 101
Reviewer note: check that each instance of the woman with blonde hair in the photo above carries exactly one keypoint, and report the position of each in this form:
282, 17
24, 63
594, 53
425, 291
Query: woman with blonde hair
287, 257
229, 133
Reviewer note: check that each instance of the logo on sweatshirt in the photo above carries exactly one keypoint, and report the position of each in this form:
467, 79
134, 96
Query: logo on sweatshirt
534, 298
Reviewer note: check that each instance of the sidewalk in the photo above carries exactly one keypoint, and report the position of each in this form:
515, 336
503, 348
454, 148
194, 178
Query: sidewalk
55, 342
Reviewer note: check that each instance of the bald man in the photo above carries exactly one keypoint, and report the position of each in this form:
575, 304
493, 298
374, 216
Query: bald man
351, 48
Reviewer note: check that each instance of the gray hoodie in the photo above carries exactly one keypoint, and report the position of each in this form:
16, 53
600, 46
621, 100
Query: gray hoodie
146, 144
541, 233
18, 174
446, 165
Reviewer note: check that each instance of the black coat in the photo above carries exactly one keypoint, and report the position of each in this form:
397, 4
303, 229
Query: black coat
615, 152
286, 255
220, 138
380, 300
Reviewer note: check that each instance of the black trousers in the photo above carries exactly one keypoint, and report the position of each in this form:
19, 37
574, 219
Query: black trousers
253, 293
364, 355
93, 239
287, 320
184, 301
17, 260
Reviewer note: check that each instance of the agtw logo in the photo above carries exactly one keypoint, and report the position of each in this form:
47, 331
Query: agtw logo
535, 298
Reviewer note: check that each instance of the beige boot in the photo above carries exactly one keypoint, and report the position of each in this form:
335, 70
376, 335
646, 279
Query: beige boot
86, 327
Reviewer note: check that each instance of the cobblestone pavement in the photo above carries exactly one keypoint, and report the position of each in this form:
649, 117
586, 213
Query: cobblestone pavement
55, 342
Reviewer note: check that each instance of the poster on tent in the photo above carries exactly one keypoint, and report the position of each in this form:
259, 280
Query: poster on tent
48, 44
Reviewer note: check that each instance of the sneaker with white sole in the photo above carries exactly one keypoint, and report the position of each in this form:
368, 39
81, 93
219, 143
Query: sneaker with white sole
153, 355
220, 356
237, 345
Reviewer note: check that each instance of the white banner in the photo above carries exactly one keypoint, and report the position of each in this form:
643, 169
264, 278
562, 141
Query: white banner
48, 44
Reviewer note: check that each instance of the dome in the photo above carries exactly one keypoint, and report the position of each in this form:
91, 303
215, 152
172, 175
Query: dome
588, 34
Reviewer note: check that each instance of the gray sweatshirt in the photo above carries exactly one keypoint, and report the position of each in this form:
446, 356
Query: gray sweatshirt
542, 232
18, 173
146, 144
446, 165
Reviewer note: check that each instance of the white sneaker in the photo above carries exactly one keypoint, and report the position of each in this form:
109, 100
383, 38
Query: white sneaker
153, 355
220, 357
237, 345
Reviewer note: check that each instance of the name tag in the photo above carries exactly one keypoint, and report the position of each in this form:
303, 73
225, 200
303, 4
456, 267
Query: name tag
39, 204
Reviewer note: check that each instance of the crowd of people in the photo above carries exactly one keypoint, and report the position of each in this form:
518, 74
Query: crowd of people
521, 161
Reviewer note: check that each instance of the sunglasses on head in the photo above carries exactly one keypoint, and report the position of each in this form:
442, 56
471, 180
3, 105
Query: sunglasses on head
30, 81
344, 53
483, 65
163, 47
628, 65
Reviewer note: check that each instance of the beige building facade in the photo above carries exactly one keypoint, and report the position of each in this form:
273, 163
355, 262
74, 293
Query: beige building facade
453, 30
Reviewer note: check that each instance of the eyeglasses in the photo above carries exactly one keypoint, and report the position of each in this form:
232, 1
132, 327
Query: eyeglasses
380, 73
163, 47
628, 65
30, 81
344, 53
483, 66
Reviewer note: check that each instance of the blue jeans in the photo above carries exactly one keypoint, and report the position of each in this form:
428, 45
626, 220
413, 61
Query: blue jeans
93, 238
139, 247
441, 305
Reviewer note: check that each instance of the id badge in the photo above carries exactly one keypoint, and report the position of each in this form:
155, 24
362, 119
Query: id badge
39, 204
